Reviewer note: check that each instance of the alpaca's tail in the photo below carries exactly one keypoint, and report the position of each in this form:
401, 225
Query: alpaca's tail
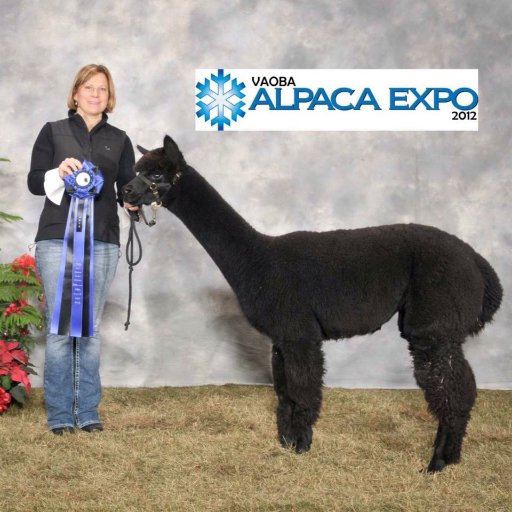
493, 291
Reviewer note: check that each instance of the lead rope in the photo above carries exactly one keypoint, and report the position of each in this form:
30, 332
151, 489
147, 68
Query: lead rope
134, 217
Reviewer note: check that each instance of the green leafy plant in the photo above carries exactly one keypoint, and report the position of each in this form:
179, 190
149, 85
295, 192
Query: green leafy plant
7, 216
19, 284
20, 288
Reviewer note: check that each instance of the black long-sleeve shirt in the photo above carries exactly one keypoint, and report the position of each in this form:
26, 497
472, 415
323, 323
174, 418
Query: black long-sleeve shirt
105, 146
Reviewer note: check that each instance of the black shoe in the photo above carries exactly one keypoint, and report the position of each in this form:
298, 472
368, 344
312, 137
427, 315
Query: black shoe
94, 427
60, 430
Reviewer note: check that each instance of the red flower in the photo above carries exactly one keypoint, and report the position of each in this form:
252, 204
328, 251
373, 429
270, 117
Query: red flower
5, 399
12, 357
18, 374
11, 309
20, 356
13, 348
5, 351
9, 345
24, 261
14, 308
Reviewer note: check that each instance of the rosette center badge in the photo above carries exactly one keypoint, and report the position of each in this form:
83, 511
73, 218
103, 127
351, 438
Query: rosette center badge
85, 182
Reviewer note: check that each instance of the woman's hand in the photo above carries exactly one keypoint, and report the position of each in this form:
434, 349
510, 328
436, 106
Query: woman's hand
130, 207
68, 166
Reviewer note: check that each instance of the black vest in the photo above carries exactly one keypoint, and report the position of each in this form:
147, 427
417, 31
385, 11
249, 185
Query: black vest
102, 146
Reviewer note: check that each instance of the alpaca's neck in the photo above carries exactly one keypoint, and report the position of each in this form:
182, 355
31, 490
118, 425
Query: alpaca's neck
229, 240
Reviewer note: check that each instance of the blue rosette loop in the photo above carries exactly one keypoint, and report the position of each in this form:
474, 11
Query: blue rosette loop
73, 308
85, 182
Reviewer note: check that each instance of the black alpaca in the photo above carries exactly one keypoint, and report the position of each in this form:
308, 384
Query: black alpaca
305, 287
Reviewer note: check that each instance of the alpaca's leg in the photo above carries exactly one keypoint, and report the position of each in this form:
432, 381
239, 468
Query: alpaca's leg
447, 380
284, 404
298, 372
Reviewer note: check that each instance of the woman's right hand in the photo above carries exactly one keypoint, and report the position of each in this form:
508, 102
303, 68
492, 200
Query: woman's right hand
68, 166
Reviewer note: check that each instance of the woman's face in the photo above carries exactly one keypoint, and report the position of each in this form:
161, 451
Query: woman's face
92, 96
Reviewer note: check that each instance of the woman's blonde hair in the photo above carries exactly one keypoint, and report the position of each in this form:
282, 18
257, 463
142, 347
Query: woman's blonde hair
85, 74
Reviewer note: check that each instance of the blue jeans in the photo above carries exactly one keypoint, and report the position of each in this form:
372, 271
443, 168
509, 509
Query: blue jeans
72, 386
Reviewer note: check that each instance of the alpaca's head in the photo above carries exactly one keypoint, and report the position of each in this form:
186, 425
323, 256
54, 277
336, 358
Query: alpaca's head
157, 171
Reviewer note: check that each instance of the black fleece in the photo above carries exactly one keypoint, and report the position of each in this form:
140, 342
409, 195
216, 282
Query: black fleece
105, 146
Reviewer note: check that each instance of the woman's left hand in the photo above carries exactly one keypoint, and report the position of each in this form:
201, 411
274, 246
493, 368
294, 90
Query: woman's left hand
130, 207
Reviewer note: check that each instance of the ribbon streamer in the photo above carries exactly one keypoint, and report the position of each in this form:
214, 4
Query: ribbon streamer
73, 309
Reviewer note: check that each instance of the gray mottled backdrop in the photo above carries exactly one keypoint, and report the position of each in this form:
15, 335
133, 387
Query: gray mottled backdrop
187, 327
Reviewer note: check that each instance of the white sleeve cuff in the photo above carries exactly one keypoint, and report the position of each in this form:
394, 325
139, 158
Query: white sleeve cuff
53, 186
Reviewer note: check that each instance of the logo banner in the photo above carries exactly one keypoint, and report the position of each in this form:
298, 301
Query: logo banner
337, 99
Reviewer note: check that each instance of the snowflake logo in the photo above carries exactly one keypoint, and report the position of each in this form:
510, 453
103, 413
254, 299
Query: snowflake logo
220, 99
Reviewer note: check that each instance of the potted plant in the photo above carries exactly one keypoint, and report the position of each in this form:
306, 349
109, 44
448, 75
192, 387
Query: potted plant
20, 289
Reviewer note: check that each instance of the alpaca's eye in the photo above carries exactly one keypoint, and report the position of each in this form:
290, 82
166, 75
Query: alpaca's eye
156, 176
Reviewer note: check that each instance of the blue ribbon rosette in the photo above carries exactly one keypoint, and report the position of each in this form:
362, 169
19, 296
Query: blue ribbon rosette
73, 309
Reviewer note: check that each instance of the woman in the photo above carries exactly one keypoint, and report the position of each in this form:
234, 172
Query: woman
71, 372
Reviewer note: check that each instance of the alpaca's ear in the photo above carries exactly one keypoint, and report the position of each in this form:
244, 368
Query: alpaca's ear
169, 145
142, 150
171, 150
